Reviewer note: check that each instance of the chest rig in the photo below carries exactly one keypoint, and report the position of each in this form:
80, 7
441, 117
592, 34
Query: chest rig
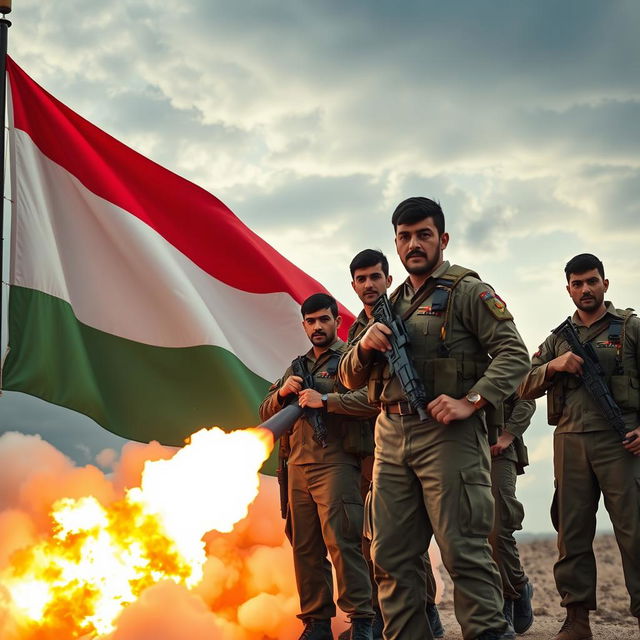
623, 379
441, 371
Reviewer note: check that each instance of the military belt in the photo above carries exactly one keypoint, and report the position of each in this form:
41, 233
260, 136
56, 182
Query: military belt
401, 408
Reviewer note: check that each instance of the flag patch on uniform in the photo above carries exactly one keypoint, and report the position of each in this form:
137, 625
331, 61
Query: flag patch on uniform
428, 311
325, 374
496, 305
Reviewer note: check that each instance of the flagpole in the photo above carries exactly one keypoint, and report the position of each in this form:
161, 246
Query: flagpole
5, 8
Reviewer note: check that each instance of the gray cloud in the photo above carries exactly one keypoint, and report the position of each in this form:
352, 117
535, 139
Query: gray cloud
313, 120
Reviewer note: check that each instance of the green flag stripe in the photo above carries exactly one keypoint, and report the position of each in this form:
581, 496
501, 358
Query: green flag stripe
137, 391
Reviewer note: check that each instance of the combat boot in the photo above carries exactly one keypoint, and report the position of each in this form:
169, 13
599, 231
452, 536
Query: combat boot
434, 620
493, 634
576, 624
522, 609
507, 612
316, 630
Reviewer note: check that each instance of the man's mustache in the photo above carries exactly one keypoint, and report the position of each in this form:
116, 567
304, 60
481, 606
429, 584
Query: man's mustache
416, 252
318, 333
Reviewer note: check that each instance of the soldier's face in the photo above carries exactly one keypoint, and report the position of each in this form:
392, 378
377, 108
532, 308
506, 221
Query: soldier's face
587, 290
420, 246
321, 327
370, 283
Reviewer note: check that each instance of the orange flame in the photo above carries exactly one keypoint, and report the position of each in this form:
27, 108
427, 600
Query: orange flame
100, 558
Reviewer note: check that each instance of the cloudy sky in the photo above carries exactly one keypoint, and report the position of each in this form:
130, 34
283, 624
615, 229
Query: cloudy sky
312, 120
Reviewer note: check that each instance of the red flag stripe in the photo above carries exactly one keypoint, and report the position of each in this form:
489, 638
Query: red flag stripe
191, 219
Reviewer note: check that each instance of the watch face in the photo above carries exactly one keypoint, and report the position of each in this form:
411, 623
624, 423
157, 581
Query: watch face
473, 397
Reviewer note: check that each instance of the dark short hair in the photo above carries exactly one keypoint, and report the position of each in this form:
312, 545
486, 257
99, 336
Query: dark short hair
415, 209
369, 258
583, 262
319, 301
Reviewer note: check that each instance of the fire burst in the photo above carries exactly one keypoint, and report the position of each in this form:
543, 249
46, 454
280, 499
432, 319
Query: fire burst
100, 558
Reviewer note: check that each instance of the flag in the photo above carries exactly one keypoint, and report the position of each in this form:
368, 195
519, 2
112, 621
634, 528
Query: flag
136, 297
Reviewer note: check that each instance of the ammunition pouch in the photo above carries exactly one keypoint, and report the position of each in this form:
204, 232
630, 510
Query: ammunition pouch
626, 392
555, 402
358, 437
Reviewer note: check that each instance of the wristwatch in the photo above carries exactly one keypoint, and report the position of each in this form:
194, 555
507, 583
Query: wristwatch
324, 397
473, 397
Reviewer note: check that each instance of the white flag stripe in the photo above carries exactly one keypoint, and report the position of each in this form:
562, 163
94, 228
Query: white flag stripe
121, 277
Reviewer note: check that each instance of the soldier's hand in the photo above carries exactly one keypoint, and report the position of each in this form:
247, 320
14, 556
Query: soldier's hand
504, 440
293, 384
568, 362
376, 338
445, 409
310, 398
634, 444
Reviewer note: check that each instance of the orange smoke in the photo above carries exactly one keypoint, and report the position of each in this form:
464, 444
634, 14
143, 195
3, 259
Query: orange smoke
123, 561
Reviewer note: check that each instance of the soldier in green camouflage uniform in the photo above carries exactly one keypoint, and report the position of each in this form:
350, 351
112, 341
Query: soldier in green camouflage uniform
433, 477
325, 509
589, 457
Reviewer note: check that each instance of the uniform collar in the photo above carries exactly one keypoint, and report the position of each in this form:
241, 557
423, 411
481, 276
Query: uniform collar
337, 346
610, 310
437, 273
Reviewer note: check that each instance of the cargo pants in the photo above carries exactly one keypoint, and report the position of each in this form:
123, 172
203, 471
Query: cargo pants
509, 514
433, 479
326, 515
586, 465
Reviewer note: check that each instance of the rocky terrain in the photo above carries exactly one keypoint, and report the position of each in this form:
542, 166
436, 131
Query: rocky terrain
611, 621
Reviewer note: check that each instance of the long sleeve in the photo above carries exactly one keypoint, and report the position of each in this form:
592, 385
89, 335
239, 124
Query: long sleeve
354, 370
535, 383
352, 403
271, 404
520, 418
499, 337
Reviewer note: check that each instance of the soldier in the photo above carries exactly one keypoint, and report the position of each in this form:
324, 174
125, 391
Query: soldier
370, 279
588, 455
508, 459
325, 510
433, 476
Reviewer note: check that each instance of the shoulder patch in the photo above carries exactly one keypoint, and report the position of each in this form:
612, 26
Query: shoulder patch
496, 305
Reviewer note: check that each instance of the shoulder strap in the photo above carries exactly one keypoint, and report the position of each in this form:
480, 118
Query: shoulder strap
617, 330
449, 281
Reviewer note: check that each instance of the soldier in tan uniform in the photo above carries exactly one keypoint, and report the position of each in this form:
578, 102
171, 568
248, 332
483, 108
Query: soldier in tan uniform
508, 460
325, 509
370, 279
433, 477
588, 455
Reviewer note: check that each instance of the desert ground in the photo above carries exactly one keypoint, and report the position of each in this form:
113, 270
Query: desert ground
611, 621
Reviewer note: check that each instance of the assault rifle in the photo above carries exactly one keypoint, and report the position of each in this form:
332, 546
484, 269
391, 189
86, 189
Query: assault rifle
400, 358
314, 416
593, 378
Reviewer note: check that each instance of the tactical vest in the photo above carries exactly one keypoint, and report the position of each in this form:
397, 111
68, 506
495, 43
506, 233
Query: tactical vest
624, 382
357, 433
453, 374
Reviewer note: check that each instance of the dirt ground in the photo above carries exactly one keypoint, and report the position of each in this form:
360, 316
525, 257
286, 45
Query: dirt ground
611, 621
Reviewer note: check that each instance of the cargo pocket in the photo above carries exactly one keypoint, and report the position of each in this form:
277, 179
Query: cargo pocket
626, 392
476, 504
353, 516
554, 505
367, 527
511, 512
